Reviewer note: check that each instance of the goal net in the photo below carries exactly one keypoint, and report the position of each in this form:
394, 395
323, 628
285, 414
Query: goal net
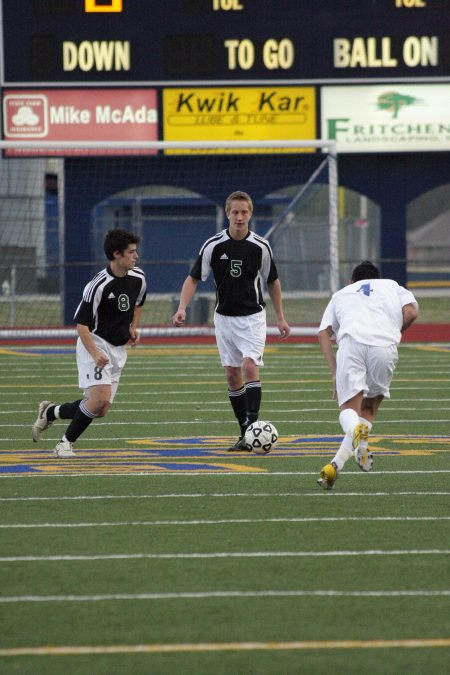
58, 201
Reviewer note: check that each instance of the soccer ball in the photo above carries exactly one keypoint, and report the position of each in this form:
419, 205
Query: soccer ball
261, 437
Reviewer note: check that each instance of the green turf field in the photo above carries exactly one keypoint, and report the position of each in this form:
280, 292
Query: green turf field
155, 551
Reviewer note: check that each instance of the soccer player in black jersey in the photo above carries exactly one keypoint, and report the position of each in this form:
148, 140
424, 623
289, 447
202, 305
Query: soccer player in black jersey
239, 260
107, 319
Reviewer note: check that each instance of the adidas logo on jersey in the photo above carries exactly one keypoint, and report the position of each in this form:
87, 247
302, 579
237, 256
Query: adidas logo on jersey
224, 256
111, 296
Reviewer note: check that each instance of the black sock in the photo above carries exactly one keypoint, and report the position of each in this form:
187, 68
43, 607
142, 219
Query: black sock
253, 395
237, 400
50, 413
66, 410
80, 422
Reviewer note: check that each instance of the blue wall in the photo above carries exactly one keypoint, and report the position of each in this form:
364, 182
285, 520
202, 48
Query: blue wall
391, 181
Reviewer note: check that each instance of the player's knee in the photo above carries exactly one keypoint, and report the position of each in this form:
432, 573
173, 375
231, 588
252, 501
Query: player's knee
234, 377
101, 408
251, 370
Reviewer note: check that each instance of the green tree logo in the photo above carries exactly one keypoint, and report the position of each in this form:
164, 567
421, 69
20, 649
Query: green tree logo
394, 102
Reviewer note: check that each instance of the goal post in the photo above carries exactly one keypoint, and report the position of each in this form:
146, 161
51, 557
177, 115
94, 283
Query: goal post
59, 199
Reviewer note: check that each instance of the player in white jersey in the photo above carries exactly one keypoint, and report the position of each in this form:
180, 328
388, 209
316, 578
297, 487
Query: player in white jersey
239, 260
367, 317
107, 319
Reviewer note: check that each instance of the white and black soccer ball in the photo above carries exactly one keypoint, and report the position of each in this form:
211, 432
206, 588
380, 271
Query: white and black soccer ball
261, 437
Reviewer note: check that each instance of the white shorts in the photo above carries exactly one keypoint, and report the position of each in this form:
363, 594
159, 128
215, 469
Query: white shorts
363, 368
240, 337
88, 373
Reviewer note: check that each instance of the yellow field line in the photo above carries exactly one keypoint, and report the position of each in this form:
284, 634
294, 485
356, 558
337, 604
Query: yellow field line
432, 348
429, 284
210, 382
227, 646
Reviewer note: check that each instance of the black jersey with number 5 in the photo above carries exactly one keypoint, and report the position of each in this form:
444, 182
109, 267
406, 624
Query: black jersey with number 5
108, 303
238, 267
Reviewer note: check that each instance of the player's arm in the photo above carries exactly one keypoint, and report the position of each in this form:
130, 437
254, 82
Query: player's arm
187, 292
326, 346
274, 289
100, 358
410, 314
134, 333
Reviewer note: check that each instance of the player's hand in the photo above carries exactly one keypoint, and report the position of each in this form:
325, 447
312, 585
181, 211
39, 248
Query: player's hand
179, 317
135, 337
285, 330
101, 359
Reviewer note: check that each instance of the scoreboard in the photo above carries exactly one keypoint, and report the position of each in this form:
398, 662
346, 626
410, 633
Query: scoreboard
164, 42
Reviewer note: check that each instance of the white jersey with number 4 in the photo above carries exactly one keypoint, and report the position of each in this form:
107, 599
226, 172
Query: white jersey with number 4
370, 311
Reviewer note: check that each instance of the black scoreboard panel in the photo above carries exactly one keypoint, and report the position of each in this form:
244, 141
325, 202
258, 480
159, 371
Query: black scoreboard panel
106, 42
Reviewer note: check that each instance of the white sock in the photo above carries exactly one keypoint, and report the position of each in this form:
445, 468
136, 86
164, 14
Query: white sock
344, 453
56, 411
348, 419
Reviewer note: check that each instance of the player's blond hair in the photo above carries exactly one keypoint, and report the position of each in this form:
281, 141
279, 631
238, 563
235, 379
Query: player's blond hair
238, 195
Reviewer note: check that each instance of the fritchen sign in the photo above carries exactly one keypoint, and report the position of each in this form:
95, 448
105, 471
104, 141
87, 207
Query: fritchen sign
387, 118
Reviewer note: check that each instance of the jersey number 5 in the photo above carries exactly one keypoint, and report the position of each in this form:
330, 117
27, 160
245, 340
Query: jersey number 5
236, 268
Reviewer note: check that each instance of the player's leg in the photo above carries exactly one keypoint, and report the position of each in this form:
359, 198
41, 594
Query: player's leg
99, 386
96, 405
369, 409
43, 421
49, 412
354, 433
381, 362
250, 337
231, 359
350, 387
236, 394
245, 398
253, 390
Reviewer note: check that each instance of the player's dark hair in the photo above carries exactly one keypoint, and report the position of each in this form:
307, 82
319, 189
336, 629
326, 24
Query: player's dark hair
365, 270
118, 240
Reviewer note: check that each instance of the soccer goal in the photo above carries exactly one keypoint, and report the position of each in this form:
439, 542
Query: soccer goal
58, 200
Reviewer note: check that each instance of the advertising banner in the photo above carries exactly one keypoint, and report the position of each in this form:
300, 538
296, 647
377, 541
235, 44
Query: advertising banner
80, 115
387, 118
239, 114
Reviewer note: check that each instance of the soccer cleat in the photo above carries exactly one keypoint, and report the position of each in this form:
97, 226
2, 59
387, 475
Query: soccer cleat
328, 476
42, 422
239, 446
64, 449
361, 447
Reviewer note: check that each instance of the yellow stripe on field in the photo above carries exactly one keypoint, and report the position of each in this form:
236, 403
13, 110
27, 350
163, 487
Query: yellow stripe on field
227, 647
428, 284
190, 384
433, 348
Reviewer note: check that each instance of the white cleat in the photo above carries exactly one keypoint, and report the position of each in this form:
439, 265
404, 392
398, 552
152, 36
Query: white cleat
64, 450
42, 422
361, 447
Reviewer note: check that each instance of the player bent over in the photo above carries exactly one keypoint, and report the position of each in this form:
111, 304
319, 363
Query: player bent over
367, 317
107, 319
